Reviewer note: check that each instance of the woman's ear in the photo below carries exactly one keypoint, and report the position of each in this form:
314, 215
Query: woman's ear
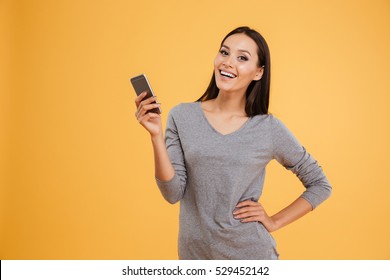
259, 73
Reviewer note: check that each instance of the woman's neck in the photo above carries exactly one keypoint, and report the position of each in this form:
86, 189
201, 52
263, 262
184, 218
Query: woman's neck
230, 103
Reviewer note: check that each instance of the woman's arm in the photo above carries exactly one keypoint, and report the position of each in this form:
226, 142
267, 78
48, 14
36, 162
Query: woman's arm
294, 157
162, 165
152, 123
170, 171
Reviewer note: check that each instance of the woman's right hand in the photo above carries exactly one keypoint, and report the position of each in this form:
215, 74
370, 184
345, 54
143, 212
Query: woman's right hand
150, 121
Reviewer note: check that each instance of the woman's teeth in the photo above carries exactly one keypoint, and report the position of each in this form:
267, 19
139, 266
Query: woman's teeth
227, 74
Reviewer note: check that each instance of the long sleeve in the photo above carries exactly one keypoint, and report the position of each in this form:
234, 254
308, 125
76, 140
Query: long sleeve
293, 156
173, 190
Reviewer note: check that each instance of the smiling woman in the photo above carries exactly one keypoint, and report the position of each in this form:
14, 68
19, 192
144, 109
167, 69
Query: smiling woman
214, 157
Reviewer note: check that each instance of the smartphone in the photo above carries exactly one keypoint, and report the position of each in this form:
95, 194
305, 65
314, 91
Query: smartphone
141, 84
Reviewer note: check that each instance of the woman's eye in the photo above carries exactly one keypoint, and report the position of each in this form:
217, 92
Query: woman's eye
243, 58
223, 52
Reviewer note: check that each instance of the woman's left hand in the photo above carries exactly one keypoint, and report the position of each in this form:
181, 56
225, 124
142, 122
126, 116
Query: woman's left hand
251, 211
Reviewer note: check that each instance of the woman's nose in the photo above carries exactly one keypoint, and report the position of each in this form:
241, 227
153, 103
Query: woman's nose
228, 62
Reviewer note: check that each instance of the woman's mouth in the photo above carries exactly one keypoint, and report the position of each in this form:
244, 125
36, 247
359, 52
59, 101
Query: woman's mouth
227, 74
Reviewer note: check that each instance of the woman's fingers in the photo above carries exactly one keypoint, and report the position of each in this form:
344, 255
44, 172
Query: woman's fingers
149, 120
246, 203
143, 106
143, 109
249, 211
139, 98
243, 205
147, 117
250, 219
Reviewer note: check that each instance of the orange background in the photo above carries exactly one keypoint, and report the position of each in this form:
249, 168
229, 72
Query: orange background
77, 175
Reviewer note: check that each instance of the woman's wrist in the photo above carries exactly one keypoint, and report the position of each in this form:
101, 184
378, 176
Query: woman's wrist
158, 138
291, 213
275, 225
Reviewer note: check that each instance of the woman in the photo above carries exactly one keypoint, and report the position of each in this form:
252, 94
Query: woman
215, 153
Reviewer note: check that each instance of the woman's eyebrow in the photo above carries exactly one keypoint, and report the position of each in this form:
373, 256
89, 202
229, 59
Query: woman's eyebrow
244, 51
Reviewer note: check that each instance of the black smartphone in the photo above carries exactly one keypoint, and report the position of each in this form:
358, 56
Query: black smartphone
141, 84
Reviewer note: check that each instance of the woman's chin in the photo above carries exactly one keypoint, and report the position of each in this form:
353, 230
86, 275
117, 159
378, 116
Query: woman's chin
224, 86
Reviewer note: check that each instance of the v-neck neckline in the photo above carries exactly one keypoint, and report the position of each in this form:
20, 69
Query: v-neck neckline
215, 130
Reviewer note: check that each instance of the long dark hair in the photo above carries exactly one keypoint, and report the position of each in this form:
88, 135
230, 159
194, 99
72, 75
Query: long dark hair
257, 94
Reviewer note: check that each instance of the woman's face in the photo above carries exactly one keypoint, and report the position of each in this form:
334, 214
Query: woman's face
236, 64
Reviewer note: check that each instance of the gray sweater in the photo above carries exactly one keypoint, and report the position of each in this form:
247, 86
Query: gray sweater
213, 172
